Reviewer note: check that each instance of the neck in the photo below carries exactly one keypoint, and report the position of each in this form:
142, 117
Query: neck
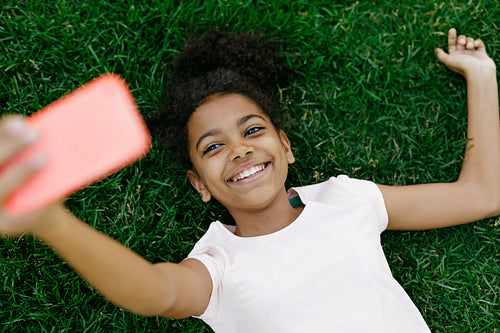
266, 220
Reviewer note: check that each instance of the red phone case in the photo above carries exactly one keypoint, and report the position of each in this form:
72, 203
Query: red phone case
86, 136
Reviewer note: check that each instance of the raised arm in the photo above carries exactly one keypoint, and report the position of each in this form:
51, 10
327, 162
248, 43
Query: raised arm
122, 276
476, 193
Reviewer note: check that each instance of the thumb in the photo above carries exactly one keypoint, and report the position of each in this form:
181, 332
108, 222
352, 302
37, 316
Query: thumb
441, 55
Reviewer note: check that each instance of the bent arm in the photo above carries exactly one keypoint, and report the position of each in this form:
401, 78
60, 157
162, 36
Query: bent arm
476, 193
121, 275
481, 166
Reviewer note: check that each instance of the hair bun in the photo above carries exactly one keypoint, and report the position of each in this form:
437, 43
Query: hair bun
247, 54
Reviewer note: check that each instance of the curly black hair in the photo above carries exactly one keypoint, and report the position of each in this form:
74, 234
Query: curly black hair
219, 62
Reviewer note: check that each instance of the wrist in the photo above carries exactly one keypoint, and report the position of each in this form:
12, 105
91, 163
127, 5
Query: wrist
52, 222
488, 70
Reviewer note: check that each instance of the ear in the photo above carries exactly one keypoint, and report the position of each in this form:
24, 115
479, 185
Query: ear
286, 147
195, 180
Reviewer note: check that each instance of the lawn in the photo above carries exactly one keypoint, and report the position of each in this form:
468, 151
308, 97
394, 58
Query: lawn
371, 101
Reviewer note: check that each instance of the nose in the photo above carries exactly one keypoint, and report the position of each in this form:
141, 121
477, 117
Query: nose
241, 148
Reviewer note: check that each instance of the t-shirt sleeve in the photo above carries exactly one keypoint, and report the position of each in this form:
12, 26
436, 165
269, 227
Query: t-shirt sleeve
343, 188
370, 192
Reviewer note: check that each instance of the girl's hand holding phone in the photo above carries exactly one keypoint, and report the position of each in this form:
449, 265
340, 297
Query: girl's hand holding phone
79, 139
15, 136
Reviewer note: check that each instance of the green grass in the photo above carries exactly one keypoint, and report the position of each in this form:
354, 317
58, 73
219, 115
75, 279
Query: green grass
373, 103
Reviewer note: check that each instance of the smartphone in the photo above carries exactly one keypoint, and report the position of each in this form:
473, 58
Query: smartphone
85, 136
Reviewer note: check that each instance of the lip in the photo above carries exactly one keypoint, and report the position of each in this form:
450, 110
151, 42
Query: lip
240, 173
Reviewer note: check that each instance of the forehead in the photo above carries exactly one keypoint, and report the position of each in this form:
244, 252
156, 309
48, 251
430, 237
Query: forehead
221, 110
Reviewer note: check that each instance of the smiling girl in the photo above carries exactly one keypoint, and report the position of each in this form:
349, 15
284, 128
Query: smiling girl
260, 275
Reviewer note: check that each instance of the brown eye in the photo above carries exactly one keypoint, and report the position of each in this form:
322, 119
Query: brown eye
253, 130
211, 147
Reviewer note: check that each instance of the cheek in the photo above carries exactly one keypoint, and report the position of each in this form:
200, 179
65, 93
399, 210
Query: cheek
209, 170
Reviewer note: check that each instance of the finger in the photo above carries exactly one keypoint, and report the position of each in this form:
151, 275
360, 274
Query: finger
470, 43
479, 45
461, 41
11, 124
442, 55
452, 40
13, 178
14, 136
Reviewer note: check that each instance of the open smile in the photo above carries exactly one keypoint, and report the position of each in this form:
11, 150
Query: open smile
249, 173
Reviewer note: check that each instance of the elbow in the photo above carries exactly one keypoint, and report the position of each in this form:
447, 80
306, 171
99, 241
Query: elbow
494, 199
496, 206
162, 300
490, 203
148, 306
484, 198
153, 296
491, 207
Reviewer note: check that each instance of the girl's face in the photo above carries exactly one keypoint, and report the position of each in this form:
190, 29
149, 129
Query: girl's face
238, 156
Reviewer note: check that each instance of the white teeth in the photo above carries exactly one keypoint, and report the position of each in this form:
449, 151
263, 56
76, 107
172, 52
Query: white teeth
247, 173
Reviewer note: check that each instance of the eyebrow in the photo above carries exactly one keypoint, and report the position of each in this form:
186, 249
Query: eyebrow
240, 122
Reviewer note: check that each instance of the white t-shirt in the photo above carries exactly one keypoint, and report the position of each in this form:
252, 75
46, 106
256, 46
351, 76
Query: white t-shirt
325, 272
